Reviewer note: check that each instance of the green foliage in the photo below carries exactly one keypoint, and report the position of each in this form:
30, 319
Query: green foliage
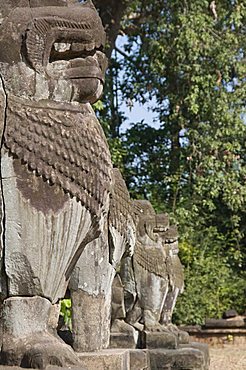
211, 286
66, 312
190, 61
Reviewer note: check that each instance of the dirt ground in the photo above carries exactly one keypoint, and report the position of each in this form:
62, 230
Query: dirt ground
230, 357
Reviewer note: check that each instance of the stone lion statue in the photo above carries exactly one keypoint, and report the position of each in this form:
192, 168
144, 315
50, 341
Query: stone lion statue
148, 283
56, 171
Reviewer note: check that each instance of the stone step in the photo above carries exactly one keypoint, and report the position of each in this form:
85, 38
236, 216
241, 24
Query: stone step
178, 359
190, 357
115, 359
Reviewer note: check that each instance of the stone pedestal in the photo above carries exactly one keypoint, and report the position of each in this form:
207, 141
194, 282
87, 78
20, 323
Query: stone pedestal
90, 288
123, 335
203, 347
115, 359
219, 336
49, 367
27, 339
91, 321
139, 360
122, 340
178, 359
111, 359
157, 339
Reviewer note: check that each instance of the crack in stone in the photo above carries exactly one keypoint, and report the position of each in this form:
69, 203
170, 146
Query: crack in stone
2, 237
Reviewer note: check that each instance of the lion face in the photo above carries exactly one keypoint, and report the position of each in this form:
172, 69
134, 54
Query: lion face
56, 47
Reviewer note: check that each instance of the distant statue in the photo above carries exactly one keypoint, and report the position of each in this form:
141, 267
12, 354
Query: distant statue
56, 171
176, 282
91, 282
149, 269
150, 280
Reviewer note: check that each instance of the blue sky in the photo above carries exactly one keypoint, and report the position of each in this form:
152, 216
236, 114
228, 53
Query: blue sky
136, 112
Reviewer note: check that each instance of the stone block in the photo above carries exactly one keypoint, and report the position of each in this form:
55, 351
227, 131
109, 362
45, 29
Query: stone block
25, 316
108, 359
229, 314
159, 340
239, 322
139, 360
122, 340
49, 367
105, 360
179, 359
203, 347
91, 321
123, 335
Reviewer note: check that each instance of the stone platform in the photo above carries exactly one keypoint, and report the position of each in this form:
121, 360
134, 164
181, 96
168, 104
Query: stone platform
190, 357
152, 340
230, 333
115, 359
50, 367
123, 340
177, 359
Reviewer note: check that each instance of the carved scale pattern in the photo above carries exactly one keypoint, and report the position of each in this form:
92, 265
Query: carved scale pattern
175, 272
120, 213
65, 147
152, 260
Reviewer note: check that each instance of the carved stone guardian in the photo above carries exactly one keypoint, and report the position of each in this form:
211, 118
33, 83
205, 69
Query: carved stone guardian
151, 281
176, 282
145, 293
56, 172
150, 275
91, 283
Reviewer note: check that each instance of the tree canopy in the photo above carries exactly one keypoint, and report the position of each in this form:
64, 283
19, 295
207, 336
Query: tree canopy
188, 59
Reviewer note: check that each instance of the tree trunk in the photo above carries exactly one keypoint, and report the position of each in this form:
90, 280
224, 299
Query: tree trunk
111, 12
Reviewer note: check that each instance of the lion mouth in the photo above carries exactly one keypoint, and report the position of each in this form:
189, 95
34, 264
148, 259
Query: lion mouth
64, 36
79, 68
161, 223
84, 71
78, 60
71, 50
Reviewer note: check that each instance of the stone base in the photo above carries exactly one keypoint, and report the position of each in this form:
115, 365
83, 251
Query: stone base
115, 359
139, 360
122, 340
177, 359
194, 357
151, 340
91, 327
49, 367
217, 337
201, 347
123, 335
